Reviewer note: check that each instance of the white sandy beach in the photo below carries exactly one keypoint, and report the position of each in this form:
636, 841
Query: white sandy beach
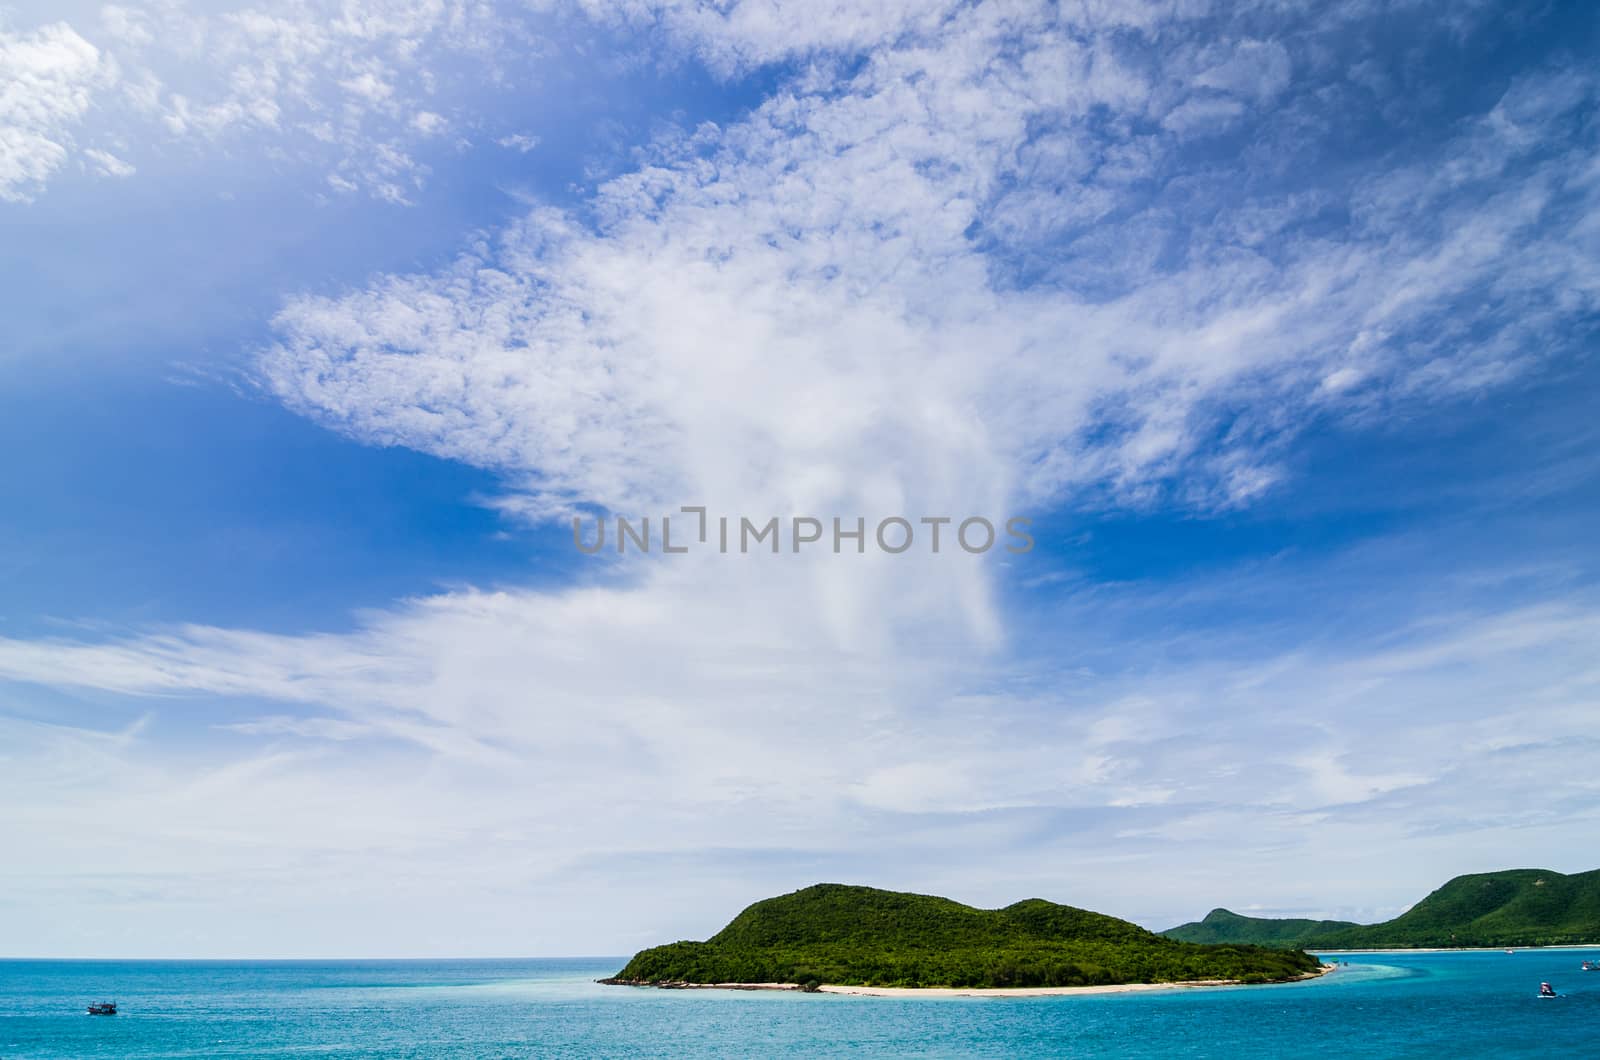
1045, 991
1016, 991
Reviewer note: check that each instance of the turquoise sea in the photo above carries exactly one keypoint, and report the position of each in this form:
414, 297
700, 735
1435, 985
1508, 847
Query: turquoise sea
1381, 1005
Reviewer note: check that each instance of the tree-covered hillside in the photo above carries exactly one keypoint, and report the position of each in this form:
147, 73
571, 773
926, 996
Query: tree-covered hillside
1221, 926
1516, 907
832, 933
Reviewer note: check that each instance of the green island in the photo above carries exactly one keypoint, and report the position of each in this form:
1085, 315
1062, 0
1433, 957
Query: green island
1516, 907
859, 936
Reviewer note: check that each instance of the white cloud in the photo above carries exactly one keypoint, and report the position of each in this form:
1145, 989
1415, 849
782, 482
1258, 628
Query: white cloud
1249, 69
108, 164
794, 313
1202, 115
353, 83
428, 123
819, 260
555, 750
519, 141
944, 281
734, 36
48, 79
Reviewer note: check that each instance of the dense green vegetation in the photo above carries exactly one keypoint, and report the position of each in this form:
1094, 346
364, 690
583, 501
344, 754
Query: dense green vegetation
1221, 926
1517, 907
860, 936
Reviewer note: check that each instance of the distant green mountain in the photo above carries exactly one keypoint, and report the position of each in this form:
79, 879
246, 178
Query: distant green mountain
832, 933
1221, 925
1517, 907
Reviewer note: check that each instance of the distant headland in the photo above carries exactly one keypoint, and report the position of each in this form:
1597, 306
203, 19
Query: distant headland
863, 940
1516, 907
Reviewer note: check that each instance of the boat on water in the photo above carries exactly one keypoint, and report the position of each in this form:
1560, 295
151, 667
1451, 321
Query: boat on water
104, 1008
1591, 966
1546, 990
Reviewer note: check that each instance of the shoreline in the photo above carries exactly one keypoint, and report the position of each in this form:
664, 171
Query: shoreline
1463, 949
998, 991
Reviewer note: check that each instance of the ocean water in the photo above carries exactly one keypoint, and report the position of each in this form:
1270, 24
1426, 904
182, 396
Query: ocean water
1381, 1005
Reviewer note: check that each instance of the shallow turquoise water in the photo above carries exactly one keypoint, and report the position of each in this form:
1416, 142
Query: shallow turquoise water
1381, 1005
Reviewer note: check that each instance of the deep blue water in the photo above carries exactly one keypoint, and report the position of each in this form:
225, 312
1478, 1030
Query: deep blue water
1381, 1005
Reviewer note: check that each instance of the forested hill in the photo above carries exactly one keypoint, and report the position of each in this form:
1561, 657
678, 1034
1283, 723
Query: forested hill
1221, 925
1516, 907
833, 933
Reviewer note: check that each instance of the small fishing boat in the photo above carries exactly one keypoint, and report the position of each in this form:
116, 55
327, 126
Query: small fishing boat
104, 1008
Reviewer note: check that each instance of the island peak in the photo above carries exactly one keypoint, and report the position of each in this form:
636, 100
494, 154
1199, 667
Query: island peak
848, 935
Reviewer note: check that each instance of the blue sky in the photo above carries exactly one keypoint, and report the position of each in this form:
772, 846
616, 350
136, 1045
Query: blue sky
322, 319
